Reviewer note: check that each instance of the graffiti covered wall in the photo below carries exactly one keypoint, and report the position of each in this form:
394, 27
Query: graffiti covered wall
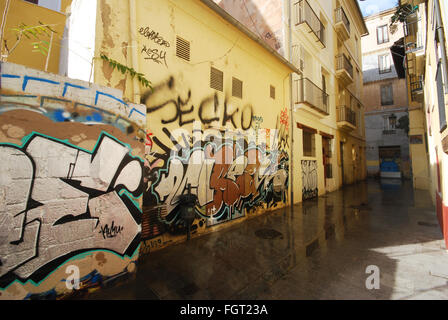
234, 166
229, 142
70, 184
309, 179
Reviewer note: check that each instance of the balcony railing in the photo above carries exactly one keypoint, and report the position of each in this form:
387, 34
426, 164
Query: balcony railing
413, 36
416, 83
342, 63
310, 94
346, 114
305, 14
342, 17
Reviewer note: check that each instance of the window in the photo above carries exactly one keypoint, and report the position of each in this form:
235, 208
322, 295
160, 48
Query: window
440, 98
216, 79
392, 122
384, 64
237, 88
387, 97
382, 34
309, 149
49, 4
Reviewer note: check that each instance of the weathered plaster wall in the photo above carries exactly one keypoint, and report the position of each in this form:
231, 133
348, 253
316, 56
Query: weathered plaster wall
71, 175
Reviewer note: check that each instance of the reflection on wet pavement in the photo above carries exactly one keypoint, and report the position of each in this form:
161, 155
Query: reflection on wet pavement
320, 251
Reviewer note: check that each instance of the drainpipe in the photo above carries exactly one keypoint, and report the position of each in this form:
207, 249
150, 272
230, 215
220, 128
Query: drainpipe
441, 35
291, 116
134, 48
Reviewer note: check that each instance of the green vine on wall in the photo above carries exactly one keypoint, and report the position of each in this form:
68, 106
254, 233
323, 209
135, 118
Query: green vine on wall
125, 69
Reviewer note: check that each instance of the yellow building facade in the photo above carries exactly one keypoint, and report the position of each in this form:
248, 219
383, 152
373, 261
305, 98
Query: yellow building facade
432, 70
325, 42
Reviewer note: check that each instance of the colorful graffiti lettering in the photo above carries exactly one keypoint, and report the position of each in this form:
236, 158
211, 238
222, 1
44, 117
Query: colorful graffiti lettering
71, 179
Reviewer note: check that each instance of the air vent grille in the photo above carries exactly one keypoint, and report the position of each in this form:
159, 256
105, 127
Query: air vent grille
216, 79
182, 48
237, 88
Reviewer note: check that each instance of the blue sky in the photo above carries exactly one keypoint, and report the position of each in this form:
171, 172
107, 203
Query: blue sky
369, 7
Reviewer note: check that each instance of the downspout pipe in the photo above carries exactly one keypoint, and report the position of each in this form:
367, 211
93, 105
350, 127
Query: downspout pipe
291, 116
134, 57
441, 35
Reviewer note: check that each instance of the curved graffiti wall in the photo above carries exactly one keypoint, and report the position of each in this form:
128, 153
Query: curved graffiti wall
70, 185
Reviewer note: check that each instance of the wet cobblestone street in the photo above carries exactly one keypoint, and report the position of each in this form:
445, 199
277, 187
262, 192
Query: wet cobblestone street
320, 251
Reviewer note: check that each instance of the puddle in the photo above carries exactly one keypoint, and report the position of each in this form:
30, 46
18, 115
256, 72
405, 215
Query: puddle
269, 234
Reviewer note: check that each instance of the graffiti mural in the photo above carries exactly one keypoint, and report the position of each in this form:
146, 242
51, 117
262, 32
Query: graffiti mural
231, 168
309, 179
71, 179
32, 222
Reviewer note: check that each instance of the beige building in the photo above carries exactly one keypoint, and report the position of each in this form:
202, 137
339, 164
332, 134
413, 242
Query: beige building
386, 100
412, 49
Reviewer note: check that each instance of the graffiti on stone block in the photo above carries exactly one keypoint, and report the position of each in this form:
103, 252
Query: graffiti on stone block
309, 179
58, 198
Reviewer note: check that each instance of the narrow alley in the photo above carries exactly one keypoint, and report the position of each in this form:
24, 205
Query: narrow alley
321, 251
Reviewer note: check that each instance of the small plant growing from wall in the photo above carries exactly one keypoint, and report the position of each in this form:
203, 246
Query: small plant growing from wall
400, 15
126, 70
39, 34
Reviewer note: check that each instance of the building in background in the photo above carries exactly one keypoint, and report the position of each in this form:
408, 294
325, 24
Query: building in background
33, 13
386, 100
409, 60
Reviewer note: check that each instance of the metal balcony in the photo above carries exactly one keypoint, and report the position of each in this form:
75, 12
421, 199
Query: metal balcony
342, 24
346, 118
413, 33
308, 93
307, 19
416, 85
344, 69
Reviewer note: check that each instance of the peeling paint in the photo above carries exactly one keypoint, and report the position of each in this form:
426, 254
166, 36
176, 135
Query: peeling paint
124, 49
108, 42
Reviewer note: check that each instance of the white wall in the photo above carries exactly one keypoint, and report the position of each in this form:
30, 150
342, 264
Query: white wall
81, 39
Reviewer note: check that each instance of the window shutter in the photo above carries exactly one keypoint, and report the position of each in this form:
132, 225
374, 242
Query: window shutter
237, 88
